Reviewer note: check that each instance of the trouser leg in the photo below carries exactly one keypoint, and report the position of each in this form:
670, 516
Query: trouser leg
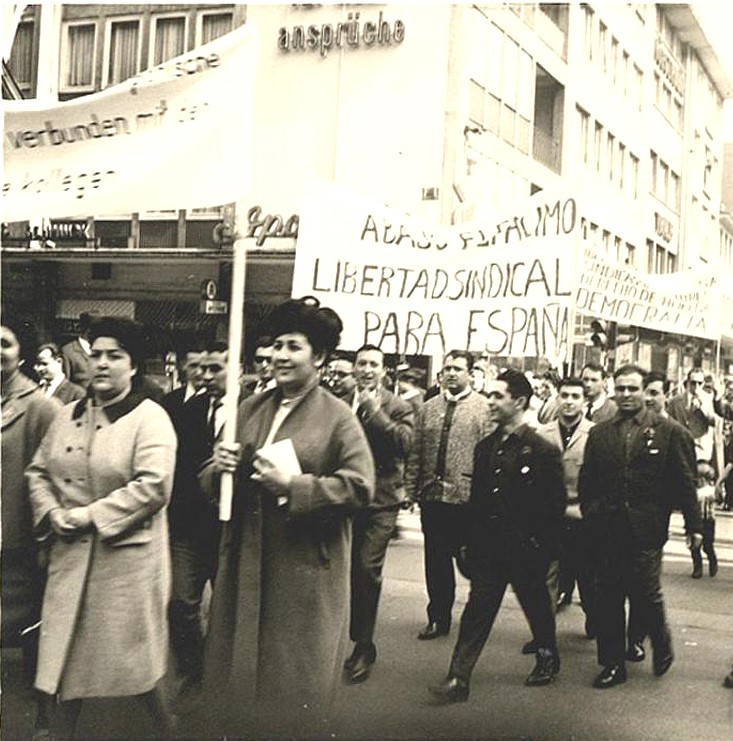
529, 582
645, 588
610, 614
372, 537
439, 525
64, 717
708, 540
567, 565
191, 568
477, 619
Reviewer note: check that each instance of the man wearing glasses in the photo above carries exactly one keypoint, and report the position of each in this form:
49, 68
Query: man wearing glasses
693, 409
263, 368
438, 476
340, 378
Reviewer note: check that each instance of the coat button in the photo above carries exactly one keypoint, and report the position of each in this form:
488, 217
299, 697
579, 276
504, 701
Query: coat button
99, 427
78, 424
67, 481
69, 449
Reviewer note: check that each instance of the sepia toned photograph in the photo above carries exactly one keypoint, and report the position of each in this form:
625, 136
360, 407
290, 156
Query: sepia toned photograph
367, 371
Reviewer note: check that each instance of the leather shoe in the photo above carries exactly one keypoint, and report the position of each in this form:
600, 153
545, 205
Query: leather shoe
662, 661
610, 676
449, 691
713, 567
358, 666
636, 652
728, 681
433, 630
697, 572
546, 668
530, 647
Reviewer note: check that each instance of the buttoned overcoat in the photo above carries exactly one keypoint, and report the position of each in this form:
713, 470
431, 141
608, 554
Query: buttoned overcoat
26, 415
280, 607
104, 621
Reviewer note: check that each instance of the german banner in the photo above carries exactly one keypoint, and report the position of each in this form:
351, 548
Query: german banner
676, 303
175, 136
415, 291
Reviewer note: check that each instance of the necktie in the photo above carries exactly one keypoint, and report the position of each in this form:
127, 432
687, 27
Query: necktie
589, 411
215, 404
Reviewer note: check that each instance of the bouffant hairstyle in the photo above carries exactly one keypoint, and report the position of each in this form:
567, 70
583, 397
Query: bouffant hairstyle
321, 325
127, 332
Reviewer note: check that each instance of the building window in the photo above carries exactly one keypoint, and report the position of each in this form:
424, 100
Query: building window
614, 60
655, 175
583, 126
78, 45
167, 38
610, 144
621, 164
22, 55
634, 175
603, 46
211, 25
597, 145
588, 33
122, 59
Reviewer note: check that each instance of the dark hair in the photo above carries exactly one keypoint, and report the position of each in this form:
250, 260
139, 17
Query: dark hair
127, 332
369, 348
85, 321
467, 356
321, 325
596, 368
263, 341
653, 377
517, 384
570, 381
415, 376
216, 346
629, 368
52, 347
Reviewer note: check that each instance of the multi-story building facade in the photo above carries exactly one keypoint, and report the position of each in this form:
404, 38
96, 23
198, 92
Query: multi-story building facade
451, 113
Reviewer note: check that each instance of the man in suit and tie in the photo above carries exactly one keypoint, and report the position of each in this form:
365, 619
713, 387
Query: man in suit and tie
693, 409
388, 423
77, 354
193, 518
192, 381
569, 432
50, 369
341, 381
263, 368
637, 467
598, 407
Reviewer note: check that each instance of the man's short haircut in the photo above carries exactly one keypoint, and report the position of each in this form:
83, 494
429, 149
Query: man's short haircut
653, 377
217, 346
552, 377
694, 370
263, 341
628, 369
517, 384
52, 347
596, 368
570, 381
369, 348
467, 356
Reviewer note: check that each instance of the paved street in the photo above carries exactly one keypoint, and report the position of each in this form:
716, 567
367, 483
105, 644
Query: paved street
687, 704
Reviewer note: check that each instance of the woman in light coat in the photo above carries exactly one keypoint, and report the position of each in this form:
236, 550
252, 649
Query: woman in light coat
99, 484
280, 609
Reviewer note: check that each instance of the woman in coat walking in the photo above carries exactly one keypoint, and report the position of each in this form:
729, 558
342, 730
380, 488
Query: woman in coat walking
280, 607
99, 484
26, 415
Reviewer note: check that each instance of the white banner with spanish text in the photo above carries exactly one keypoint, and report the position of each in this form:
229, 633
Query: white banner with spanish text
411, 290
677, 303
175, 136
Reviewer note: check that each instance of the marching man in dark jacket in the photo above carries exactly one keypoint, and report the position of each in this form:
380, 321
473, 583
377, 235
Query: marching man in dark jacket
388, 423
637, 467
515, 513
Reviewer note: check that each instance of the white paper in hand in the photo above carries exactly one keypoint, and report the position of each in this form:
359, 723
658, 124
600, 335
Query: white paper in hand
282, 455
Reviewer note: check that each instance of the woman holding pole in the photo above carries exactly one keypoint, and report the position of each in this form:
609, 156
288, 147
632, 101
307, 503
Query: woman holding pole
280, 607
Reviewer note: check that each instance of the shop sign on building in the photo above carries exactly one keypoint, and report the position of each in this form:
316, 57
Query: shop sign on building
663, 227
353, 33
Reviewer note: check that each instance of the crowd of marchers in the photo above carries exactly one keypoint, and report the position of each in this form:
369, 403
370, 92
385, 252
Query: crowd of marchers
112, 542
